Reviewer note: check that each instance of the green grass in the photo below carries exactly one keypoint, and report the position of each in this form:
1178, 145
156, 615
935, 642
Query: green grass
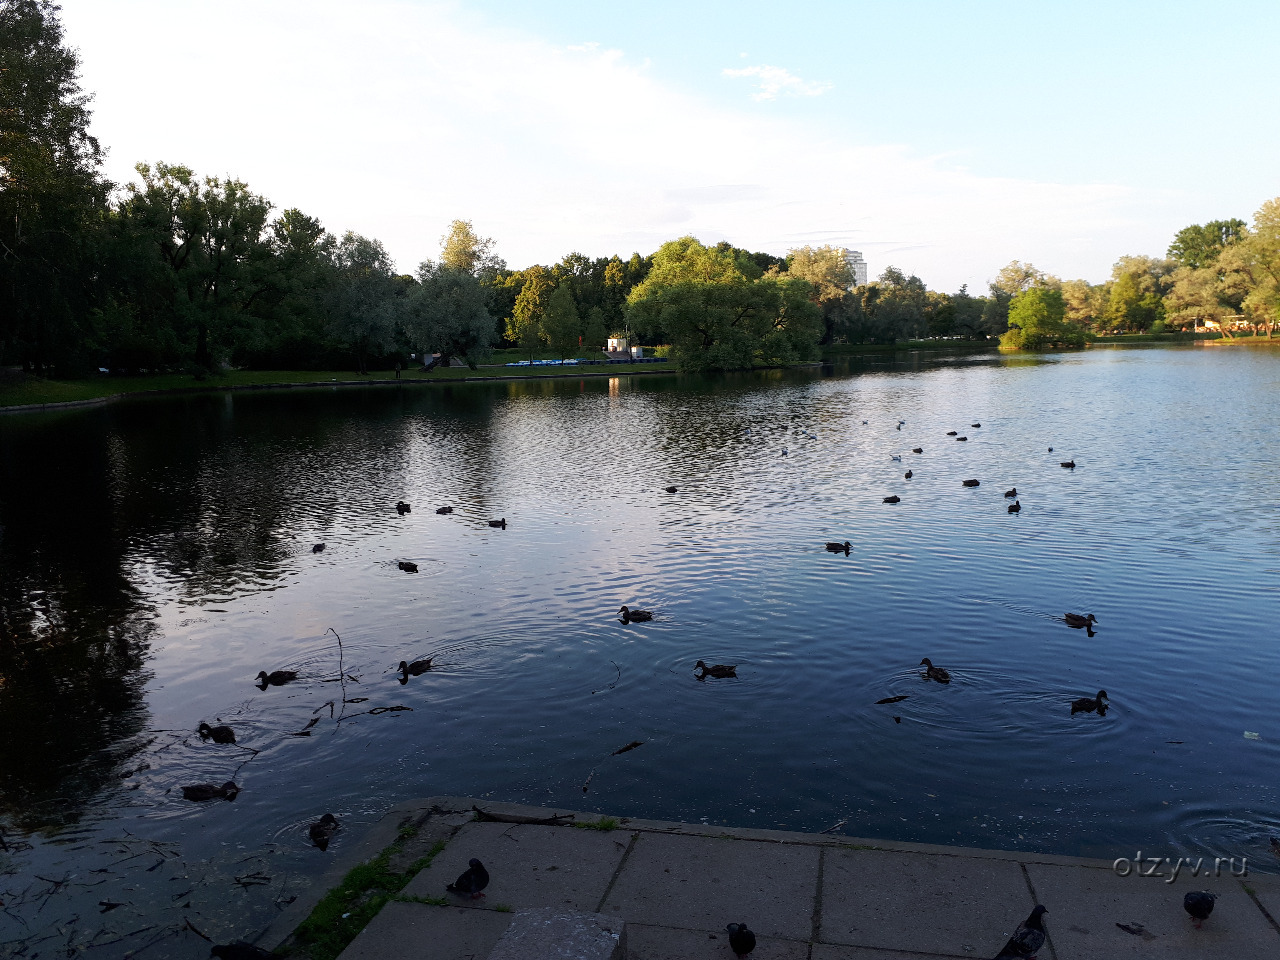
28, 390
345, 910
604, 824
834, 351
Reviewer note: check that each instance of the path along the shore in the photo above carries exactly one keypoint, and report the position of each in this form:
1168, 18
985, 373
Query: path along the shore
673, 887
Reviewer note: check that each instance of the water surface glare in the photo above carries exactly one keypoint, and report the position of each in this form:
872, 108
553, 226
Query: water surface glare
156, 554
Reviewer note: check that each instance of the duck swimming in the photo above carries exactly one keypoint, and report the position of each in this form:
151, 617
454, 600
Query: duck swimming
500, 524
719, 670
951, 433
218, 734
276, 678
908, 475
634, 616
408, 566
322, 831
444, 509
1011, 493
935, 673
917, 449
1077, 620
971, 483
1015, 507
317, 548
839, 547
415, 669
893, 499
671, 489
1069, 464
1090, 704
402, 508
200, 792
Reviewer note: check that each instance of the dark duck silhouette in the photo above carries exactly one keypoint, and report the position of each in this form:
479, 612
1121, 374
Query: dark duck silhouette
670, 489
276, 678
720, 671
975, 425
1069, 464
917, 449
415, 669
317, 548
741, 940
472, 881
402, 508
908, 475
1027, 939
971, 483
218, 734
200, 792
893, 499
408, 566
634, 616
839, 547
1015, 507
1090, 704
239, 950
444, 509
500, 524
962, 439
1079, 620
935, 673
322, 831
1199, 904
1011, 493
951, 433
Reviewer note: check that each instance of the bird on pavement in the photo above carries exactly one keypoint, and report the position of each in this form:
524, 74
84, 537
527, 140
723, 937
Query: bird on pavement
218, 734
741, 940
472, 881
1027, 939
1199, 904
935, 673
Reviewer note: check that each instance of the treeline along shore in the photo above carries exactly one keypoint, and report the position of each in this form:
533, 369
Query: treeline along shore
180, 273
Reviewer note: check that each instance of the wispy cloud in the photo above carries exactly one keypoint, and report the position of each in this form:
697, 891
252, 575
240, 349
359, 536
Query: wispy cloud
772, 81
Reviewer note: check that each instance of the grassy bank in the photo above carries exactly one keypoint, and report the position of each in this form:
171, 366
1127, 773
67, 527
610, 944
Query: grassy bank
17, 389
838, 351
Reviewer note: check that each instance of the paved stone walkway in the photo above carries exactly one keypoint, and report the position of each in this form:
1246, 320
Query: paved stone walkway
806, 896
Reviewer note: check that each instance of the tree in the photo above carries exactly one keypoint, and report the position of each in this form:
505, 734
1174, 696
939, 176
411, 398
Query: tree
561, 323
463, 249
446, 314
52, 196
1135, 299
1037, 319
1199, 246
718, 310
525, 324
362, 305
829, 274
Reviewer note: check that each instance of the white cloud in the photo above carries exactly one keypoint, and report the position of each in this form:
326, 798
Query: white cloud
772, 81
395, 121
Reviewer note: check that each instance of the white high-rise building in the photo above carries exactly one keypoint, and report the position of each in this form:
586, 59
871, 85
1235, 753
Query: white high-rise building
857, 265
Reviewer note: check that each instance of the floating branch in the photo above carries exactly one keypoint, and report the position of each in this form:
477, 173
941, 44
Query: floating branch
485, 816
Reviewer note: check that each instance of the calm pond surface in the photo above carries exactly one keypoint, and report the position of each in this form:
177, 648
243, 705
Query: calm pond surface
156, 554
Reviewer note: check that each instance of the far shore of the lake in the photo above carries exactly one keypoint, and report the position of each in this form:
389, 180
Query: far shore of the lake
27, 393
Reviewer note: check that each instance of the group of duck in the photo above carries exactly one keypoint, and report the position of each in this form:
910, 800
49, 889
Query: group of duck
721, 671
408, 566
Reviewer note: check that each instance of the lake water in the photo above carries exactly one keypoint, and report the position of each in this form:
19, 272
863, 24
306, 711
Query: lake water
156, 554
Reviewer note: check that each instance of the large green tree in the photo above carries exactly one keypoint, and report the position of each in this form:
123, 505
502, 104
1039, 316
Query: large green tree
719, 311
52, 195
446, 314
1200, 245
1037, 318
561, 322
364, 302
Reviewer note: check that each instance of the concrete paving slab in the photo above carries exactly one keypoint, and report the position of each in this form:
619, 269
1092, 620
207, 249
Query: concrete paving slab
828, 951
529, 866
1266, 889
645, 942
1086, 904
548, 933
702, 883
411, 931
918, 902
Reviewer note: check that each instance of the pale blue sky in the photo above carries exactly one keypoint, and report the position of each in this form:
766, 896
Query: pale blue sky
944, 138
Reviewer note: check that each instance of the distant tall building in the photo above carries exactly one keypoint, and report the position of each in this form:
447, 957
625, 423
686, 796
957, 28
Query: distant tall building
857, 265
